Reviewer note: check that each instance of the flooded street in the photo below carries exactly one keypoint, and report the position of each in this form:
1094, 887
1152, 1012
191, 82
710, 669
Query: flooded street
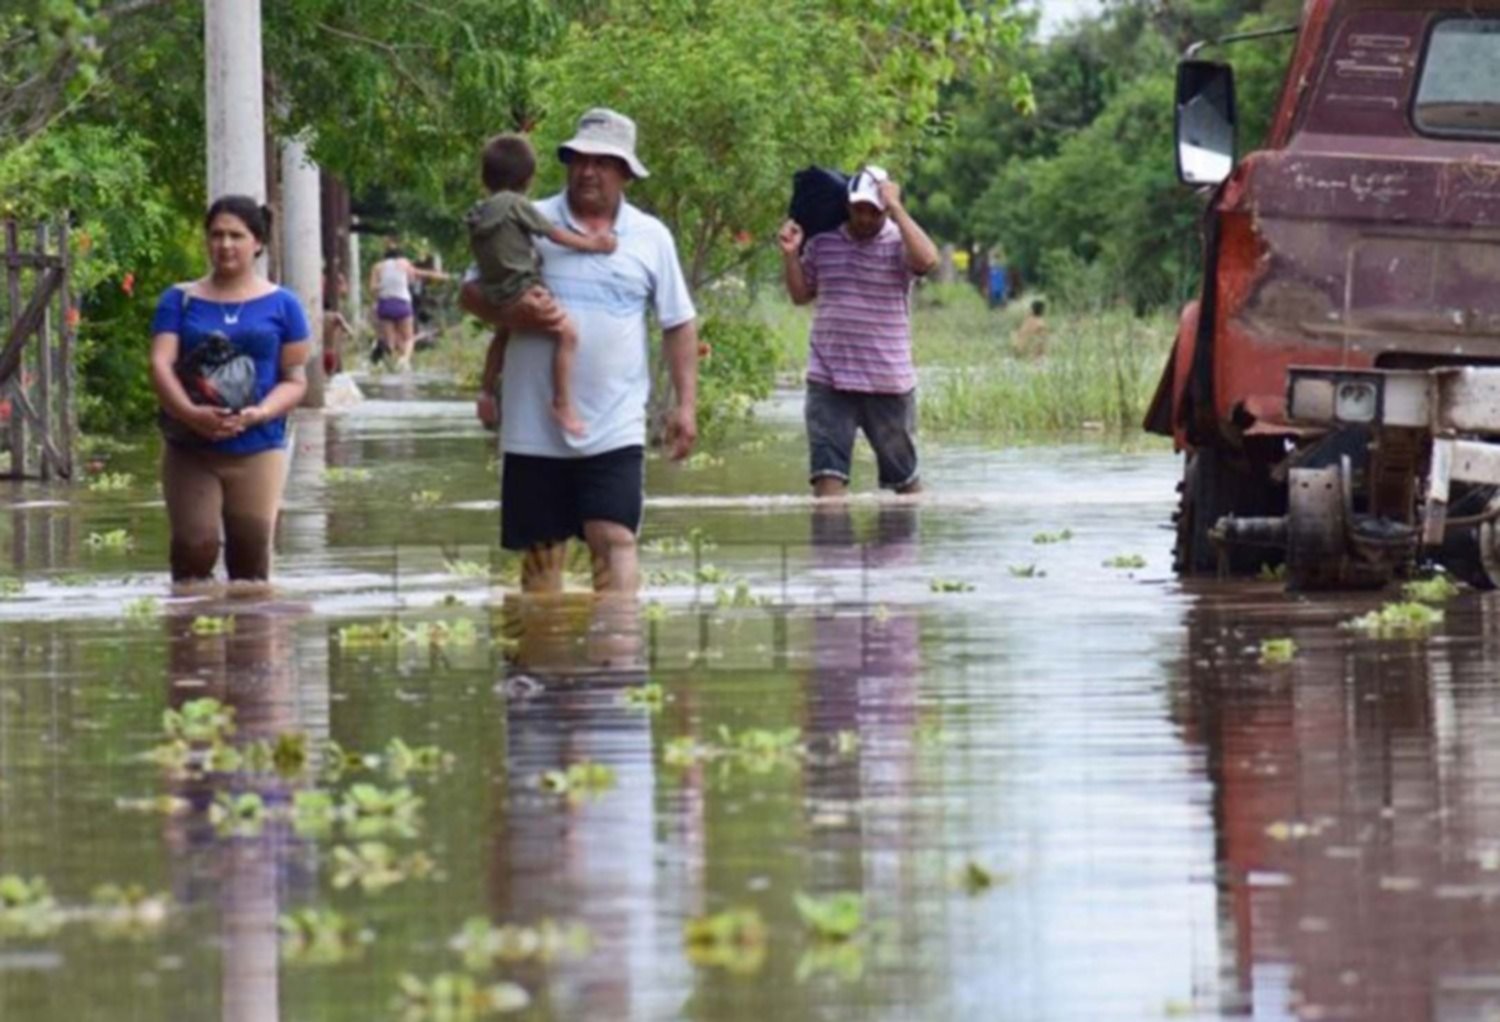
1059, 784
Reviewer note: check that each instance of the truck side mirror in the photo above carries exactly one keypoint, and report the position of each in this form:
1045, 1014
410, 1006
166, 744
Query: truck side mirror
1205, 122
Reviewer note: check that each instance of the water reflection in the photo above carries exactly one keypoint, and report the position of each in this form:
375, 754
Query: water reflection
248, 876
562, 857
1355, 800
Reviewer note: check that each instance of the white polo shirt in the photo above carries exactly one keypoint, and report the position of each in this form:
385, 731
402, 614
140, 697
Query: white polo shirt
608, 297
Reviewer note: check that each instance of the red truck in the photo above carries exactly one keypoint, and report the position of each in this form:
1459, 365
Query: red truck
1333, 386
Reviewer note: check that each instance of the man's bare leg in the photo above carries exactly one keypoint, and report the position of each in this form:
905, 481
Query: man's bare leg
830, 486
542, 568
613, 552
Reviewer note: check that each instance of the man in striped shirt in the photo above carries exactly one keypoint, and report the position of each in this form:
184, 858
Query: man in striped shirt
859, 369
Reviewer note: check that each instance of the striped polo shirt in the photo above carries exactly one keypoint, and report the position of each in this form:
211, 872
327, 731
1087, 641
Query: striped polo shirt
861, 332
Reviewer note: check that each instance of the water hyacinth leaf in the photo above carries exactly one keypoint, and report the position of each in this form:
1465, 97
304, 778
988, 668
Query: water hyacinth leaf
950, 585
147, 608
239, 815
1277, 651
735, 940
115, 540
27, 907
1048, 538
10, 586
650, 697
584, 779
1435, 590
374, 866
976, 879
340, 474
424, 500
111, 482
466, 569
312, 936
456, 997
1126, 562
1409, 620
834, 917
402, 759
483, 945
314, 813
165, 805
127, 911
210, 625
1025, 571
199, 720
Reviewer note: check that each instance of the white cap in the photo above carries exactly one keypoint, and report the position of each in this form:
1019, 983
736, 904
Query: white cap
865, 186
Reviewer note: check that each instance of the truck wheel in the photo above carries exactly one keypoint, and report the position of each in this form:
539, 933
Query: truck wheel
1211, 488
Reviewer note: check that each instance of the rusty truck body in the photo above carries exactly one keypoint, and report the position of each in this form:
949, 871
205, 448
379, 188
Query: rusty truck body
1353, 259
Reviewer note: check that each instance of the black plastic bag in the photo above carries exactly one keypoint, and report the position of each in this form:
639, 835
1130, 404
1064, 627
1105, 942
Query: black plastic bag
214, 373
820, 200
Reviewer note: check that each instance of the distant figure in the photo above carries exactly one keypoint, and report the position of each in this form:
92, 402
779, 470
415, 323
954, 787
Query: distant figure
859, 368
390, 282
999, 285
500, 232
1030, 340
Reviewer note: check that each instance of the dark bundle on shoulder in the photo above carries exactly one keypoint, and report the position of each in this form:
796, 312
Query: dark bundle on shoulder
820, 199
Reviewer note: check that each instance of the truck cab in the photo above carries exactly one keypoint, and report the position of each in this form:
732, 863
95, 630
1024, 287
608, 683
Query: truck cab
1363, 237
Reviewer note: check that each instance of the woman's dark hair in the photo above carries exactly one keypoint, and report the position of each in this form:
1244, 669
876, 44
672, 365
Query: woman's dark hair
508, 163
255, 217
393, 252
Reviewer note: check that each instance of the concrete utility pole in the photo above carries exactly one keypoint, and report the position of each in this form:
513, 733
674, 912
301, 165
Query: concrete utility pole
302, 250
235, 112
356, 282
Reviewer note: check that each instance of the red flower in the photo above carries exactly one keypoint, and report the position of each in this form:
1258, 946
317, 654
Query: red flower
72, 317
85, 241
742, 238
128, 284
704, 349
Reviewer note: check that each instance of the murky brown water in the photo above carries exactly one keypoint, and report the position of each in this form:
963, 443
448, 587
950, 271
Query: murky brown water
1173, 830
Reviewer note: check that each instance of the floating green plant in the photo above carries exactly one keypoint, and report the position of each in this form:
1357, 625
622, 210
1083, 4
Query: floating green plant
457, 632
1026, 571
695, 542
114, 540
584, 779
654, 612
1126, 562
709, 575
286, 756
111, 482
1410, 620
739, 596
684, 751
834, 917
342, 474
164, 805
650, 697
10, 586
467, 569
321, 936
1434, 590
1048, 538
1277, 651
240, 815
1272, 572
371, 811
844, 960
763, 749
379, 634
735, 939
977, 879
950, 585
314, 812
673, 577
483, 945
425, 500
212, 625
702, 459
199, 720
402, 759
128, 911
456, 997
373, 866
147, 608
27, 908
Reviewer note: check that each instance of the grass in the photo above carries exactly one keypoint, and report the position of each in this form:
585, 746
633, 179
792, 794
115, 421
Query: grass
1098, 373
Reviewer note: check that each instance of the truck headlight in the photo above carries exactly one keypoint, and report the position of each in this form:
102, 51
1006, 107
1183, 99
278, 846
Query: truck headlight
1356, 401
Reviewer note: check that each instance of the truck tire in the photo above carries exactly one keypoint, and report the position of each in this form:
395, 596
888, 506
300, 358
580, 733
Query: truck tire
1213, 486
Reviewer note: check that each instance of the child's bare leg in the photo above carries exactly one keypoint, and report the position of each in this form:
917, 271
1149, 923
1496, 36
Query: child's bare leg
562, 378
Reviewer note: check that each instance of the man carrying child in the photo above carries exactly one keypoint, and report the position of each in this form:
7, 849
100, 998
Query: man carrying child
557, 485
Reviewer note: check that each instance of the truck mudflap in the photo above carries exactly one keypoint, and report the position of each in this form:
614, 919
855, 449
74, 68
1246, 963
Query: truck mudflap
1431, 440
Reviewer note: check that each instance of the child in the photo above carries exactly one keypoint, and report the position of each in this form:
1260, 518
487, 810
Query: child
500, 232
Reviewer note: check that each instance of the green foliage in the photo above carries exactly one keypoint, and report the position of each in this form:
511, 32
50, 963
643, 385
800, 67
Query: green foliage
836, 917
735, 939
1435, 590
708, 83
312, 936
1410, 620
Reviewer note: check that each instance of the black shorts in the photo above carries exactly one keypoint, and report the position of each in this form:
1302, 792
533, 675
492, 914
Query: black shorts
547, 500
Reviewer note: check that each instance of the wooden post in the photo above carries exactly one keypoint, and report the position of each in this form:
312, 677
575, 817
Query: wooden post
43, 366
17, 386
66, 376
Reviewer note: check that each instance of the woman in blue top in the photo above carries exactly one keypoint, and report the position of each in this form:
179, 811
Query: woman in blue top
227, 479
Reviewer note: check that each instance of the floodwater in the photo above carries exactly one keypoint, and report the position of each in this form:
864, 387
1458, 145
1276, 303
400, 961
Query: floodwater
1153, 824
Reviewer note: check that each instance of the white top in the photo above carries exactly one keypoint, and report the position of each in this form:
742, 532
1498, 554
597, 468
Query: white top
608, 296
391, 280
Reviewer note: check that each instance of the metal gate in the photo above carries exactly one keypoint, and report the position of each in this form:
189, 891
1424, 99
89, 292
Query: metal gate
37, 413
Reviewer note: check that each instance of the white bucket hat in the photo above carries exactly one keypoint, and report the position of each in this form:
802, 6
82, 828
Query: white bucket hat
604, 132
865, 186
